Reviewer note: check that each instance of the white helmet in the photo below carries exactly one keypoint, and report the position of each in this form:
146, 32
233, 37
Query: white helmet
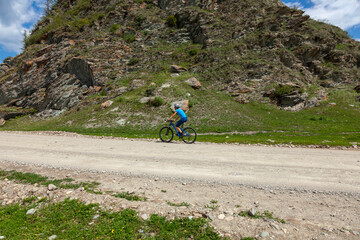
176, 106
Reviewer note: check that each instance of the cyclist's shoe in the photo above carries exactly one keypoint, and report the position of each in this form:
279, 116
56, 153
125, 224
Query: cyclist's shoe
180, 135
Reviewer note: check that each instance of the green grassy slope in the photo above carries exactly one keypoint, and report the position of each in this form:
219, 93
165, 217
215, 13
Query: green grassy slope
210, 112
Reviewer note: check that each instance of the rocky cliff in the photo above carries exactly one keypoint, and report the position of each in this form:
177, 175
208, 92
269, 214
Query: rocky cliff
254, 50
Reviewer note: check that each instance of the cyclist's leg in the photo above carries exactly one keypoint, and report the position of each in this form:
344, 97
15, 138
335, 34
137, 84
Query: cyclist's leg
178, 124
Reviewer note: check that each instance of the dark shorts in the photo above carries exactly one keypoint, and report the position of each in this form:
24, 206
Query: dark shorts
181, 121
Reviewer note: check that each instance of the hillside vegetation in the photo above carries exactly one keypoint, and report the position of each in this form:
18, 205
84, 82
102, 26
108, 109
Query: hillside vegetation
256, 70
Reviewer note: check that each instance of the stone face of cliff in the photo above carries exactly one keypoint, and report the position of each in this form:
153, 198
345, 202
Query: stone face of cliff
245, 48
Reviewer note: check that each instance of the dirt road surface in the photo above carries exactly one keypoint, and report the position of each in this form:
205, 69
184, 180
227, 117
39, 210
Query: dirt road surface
317, 191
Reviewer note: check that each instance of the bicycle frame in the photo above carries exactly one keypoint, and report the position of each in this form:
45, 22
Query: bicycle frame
173, 125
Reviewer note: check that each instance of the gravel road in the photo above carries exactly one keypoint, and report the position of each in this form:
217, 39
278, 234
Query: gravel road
301, 168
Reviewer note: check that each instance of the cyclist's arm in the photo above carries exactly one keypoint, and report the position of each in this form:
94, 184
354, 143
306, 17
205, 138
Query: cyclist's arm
172, 116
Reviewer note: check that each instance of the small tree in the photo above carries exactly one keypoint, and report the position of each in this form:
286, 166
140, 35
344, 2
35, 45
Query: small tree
48, 4
25, 40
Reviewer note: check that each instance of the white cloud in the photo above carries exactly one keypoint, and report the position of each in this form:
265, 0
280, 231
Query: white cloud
344, 14
13, 14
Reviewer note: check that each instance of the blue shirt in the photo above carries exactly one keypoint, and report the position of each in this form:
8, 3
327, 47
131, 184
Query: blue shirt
181, 113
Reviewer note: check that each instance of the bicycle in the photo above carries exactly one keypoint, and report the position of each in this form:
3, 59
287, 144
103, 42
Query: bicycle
188, 135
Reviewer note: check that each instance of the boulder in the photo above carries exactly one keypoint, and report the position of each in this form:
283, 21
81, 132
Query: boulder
31, 211
107, 104
292, 100
52, 187
136, 83
194, 83
184, 105
2, 121
177, 69
144, 100
252, 212
82, 70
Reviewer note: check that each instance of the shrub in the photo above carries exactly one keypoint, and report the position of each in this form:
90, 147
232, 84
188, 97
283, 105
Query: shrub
171, 21
129, 37
80, 6
139, 20
133, 61
79, 24
193, 52
114, 27
156, 102
150, 91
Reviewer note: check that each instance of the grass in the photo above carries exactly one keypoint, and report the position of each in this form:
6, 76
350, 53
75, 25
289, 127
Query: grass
72, 219
212, 205
90, 187
32, 178
265, 215
130, 196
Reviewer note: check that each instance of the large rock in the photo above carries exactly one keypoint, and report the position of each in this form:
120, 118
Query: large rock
82, 70
177, 69
292, 100
31, 211
184, 105
136, 83
2, 121
295, 99
107, 104
194, 83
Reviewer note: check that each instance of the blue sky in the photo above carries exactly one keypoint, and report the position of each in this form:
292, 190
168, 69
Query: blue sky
19, 15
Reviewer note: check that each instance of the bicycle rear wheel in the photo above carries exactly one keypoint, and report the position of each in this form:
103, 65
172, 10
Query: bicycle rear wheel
166, 134
189, 135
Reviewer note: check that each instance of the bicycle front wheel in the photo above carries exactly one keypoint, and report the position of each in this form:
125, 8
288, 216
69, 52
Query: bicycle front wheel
166, 134
189, 135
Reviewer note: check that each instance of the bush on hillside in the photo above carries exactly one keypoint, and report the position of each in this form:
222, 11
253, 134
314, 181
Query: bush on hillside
171, 21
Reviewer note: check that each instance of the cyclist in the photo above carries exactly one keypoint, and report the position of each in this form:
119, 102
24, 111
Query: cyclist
181, 114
